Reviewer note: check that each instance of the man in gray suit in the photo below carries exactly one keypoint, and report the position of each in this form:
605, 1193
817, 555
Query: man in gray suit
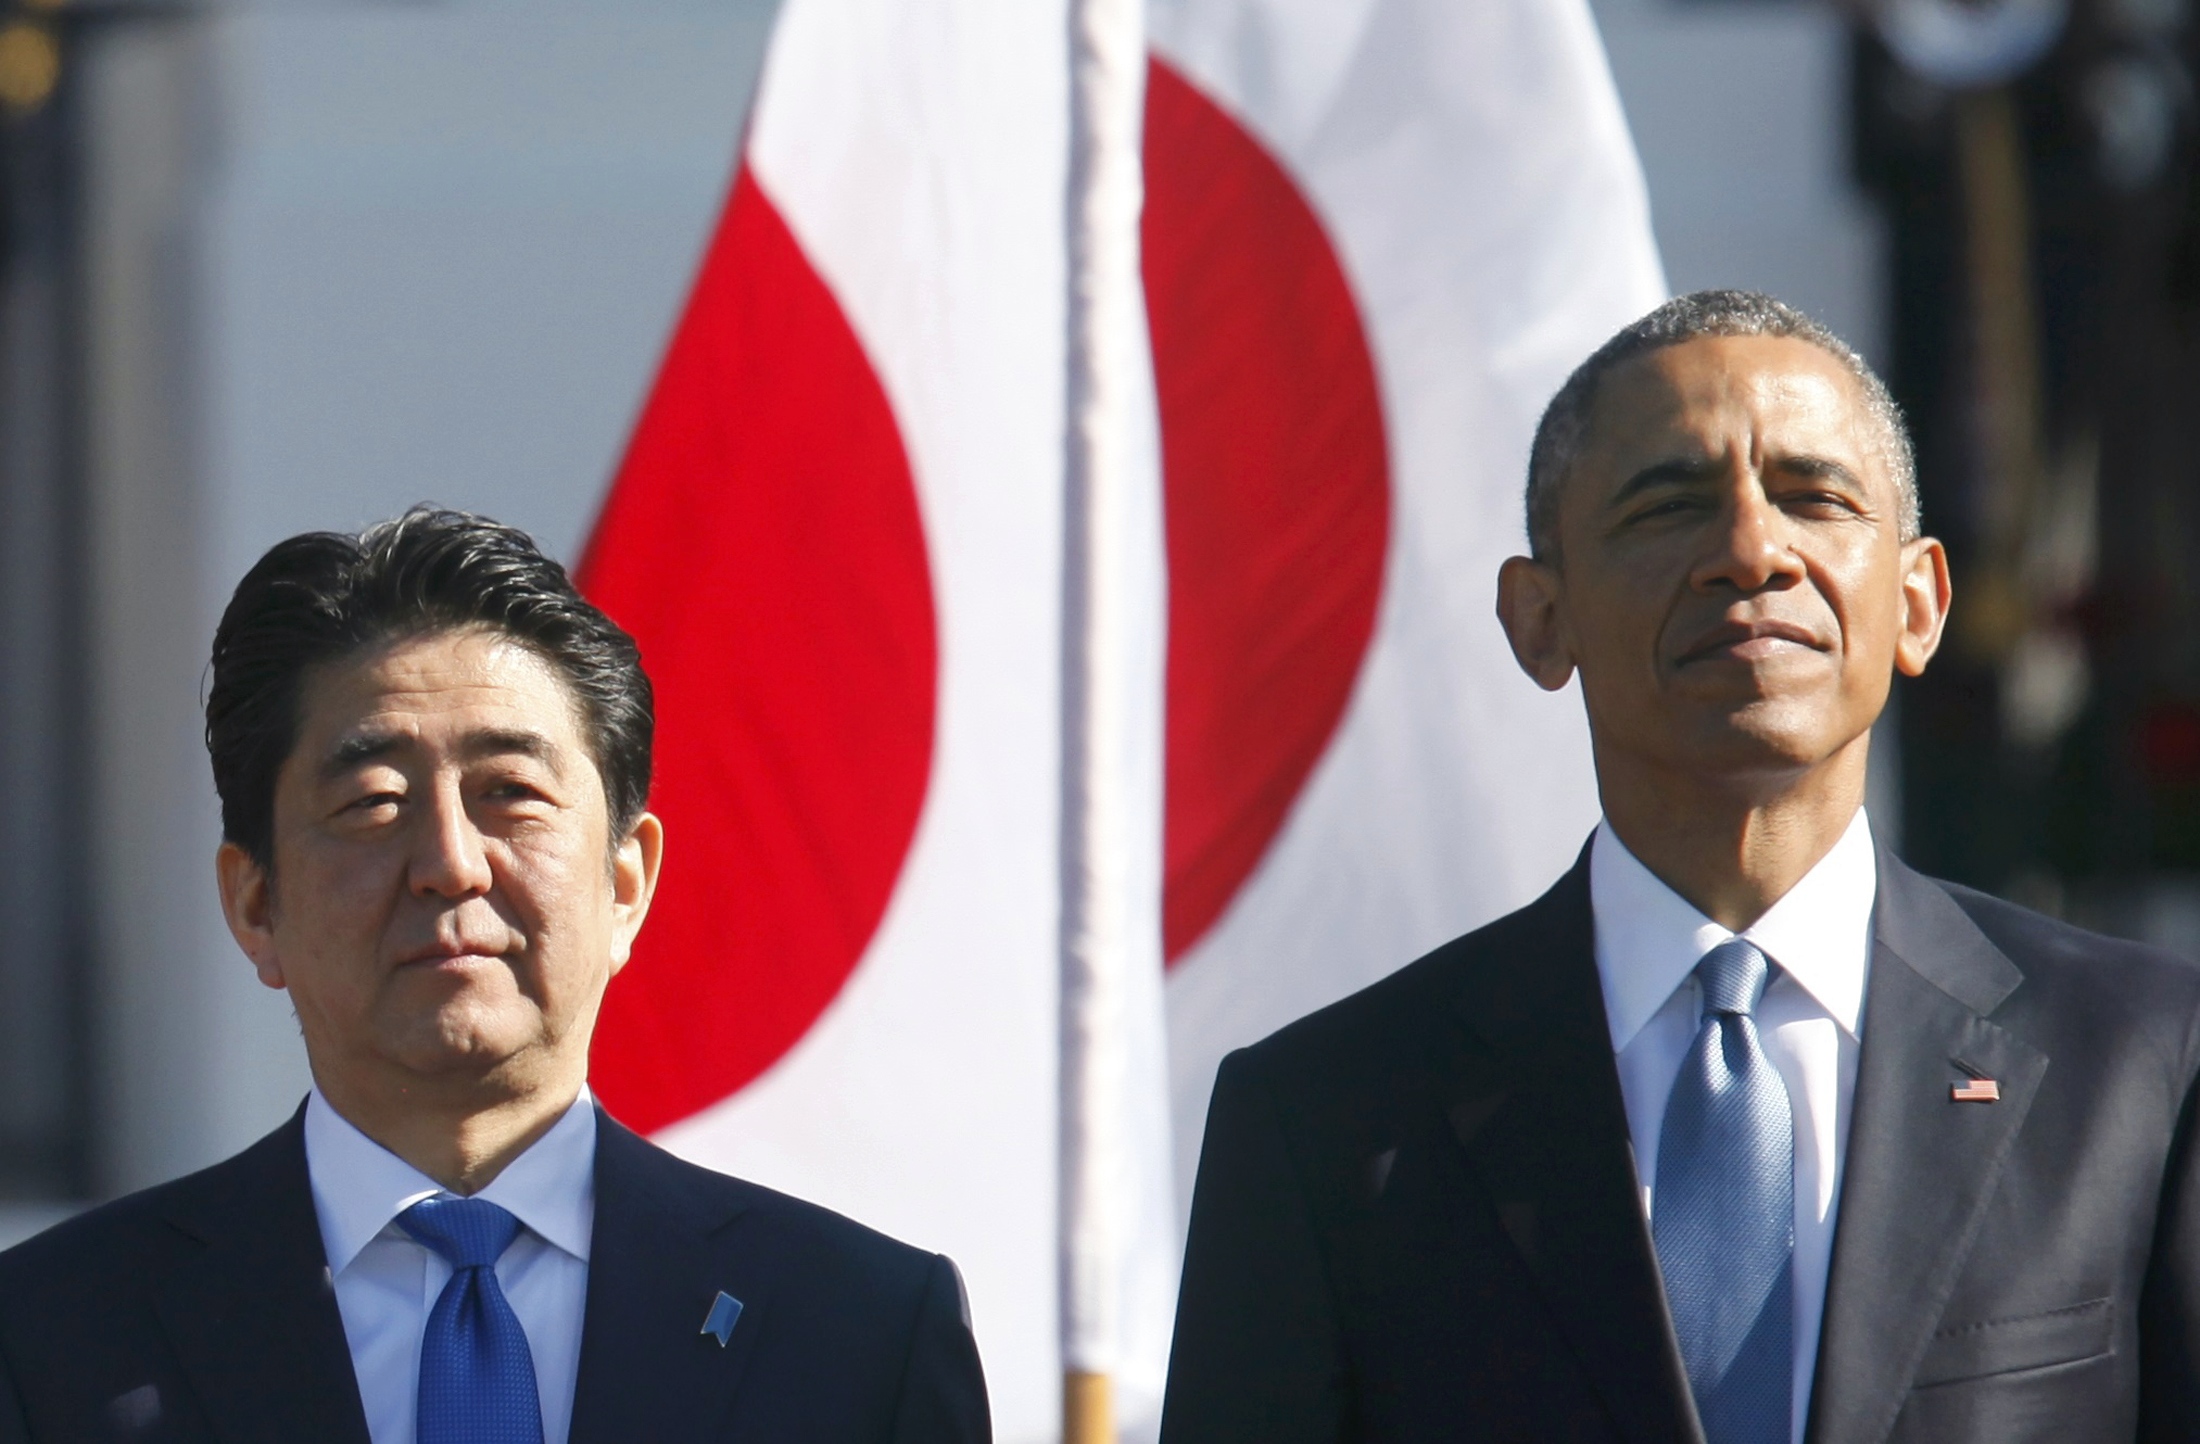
1744, 1131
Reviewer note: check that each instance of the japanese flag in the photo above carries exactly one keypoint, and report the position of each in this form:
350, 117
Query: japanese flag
1376, 235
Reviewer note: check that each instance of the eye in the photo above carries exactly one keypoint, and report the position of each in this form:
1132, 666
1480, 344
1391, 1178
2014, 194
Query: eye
1670, 506
1822, 503
513, 789
373, 802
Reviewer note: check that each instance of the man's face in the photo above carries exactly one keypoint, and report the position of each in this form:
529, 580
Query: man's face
1732, 582
445, 903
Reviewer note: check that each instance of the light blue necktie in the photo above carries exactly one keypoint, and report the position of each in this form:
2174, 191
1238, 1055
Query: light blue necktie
1723, 1215
477, 1380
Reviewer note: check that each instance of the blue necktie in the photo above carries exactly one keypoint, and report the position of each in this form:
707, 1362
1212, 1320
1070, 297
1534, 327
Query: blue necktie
477, 1380
1723, 1215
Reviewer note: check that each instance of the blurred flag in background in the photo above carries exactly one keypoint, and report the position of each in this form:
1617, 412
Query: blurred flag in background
1376, 235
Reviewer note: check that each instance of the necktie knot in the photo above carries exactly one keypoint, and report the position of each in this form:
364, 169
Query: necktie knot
477, 1376
1733, 977
468, 1232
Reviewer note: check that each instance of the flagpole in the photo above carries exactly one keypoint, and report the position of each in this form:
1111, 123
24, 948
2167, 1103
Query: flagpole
1106, 327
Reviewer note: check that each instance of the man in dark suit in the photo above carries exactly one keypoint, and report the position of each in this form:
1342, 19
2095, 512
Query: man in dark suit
433, 759
1744, 1131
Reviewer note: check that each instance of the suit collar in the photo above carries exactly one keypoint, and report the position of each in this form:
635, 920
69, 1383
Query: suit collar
1920, 1167
252, 1314
664, 1248
1919, 922
1537, 1109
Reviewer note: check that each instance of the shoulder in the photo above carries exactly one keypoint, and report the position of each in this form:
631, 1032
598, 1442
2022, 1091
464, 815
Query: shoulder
127, 1228
81, 1305
825, 1239
156, 1224
858, 1326
1369, 1025
2085, 985
1395, 1032
2041, 944
824, 1246
2112, 1015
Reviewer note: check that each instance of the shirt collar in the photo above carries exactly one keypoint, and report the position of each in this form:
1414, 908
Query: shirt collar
359, 1186
1649, 938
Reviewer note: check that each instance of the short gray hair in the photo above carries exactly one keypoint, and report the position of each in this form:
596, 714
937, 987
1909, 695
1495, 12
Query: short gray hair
1565, 424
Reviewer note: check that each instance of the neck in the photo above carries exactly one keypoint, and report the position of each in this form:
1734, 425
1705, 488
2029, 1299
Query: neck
1733, 848
453, 1134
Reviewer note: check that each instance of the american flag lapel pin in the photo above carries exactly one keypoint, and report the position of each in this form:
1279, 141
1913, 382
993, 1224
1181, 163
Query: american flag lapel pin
1976, 1090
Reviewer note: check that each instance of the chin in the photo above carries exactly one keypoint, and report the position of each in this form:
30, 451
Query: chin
1772, 738
458, 1040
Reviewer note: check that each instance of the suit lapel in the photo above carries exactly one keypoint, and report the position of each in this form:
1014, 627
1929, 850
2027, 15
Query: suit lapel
1539, 1112
252, 1315
658, 1258
1920, 1168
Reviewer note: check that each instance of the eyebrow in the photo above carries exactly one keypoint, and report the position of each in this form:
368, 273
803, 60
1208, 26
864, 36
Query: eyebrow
508, 742
1682, 471
1678, 471
490, 742
1821, 468
357, 748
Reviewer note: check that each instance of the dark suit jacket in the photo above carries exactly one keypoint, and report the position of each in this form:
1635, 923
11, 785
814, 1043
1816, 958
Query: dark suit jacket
1417, 1215
202, 1310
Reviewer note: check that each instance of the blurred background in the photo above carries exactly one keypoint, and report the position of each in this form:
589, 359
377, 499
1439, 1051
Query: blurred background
278, 266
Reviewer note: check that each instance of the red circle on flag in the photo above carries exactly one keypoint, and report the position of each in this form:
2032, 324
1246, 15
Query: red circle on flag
763, 544
1277, 492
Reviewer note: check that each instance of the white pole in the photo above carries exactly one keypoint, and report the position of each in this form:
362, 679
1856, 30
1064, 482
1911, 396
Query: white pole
1107, 383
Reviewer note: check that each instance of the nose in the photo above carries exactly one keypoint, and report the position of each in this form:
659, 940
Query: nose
1747, 549
448, 857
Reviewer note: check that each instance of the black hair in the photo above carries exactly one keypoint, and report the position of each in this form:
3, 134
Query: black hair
322, 596
1560, 434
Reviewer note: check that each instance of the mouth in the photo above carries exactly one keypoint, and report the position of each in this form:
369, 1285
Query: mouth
1748, 642
451, 959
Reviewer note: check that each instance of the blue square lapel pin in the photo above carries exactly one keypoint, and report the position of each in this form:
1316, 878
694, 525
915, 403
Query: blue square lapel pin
718, 1323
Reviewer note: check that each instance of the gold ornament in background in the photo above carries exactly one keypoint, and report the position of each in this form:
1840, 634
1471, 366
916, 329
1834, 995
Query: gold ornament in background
30, 65
2005, 368
2037, 534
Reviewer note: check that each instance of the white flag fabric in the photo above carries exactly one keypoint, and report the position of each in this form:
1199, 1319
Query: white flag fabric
837, 538
1436, 210
1376, 235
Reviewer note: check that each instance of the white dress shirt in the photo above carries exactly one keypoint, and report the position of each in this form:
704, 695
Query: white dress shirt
386, 1283
1818, 937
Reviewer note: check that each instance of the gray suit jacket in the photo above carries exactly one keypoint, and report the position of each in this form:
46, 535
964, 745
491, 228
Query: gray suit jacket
1417, 1215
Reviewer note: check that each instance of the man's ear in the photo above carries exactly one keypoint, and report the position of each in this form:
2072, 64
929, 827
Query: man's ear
634, 883
1527, 608
248, 905
1926, 595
